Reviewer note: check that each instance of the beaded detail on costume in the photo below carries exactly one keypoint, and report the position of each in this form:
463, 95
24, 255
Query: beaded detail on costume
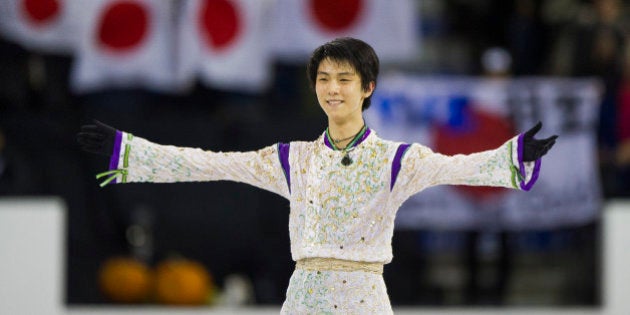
144, 161
336, 292
339, 211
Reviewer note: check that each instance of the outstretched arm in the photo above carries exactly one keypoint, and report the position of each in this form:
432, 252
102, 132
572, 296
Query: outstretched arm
134, 159
513, 165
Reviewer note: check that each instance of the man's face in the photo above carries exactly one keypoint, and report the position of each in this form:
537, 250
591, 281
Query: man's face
339, 92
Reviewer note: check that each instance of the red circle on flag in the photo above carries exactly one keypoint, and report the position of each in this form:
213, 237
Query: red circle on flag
484, 131
220, 23
124, 25
39, 12
336, 15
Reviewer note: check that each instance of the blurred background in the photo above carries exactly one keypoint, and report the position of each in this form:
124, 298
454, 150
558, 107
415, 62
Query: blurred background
229, 75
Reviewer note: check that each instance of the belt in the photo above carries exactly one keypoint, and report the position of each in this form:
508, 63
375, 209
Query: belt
332, 264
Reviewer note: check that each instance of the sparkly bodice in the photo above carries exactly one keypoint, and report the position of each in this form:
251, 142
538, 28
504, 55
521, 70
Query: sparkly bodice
337, 211
341, 211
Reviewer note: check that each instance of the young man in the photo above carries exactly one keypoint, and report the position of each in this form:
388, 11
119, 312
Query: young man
344, 188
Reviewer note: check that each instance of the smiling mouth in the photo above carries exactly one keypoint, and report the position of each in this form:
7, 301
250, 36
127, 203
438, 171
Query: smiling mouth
333, 102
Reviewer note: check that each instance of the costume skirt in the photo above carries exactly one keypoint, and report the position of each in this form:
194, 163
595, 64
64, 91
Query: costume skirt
336, 292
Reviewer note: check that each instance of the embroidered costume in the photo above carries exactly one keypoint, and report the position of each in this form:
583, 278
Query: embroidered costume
341, 214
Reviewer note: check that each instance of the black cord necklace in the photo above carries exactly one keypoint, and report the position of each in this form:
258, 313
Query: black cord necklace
335, 141
347, 160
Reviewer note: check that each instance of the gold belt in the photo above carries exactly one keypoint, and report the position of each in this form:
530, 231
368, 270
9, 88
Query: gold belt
332, 264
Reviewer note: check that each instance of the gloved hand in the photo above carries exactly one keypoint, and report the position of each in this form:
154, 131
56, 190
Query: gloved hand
533, 149
98, 138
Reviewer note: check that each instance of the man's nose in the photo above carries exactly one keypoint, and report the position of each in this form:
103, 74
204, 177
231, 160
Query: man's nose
333, 88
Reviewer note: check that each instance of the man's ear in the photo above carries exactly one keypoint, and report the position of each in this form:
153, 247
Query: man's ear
370, 89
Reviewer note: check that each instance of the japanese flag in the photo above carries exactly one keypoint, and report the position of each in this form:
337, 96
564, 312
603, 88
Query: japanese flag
388, 26
123, 44
43, 25
224, 43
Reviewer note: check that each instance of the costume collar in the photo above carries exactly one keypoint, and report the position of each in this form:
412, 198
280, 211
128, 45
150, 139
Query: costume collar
355, 142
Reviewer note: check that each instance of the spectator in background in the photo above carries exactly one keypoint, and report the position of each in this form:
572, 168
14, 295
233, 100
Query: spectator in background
496, 62
598, 51
599, 40
559, 16
527, 38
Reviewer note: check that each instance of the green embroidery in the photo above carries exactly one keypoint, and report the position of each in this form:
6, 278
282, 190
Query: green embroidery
126, 159
126, 156
112, 175
122, 172
513, 169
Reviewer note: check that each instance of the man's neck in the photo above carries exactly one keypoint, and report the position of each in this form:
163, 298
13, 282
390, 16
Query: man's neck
344, 131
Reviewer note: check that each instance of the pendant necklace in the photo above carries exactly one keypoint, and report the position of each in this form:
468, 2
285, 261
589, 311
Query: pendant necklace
347, 160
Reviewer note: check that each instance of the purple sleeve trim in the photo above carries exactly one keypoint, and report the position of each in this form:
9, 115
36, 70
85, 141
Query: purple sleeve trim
521, 167
113, 160
396, 163
283, 155
530, 184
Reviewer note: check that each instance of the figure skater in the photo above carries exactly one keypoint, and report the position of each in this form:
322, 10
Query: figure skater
344, 188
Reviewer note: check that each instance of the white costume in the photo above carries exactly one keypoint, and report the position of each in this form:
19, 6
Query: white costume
342, 216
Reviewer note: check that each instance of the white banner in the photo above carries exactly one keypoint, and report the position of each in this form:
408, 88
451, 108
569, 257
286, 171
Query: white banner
46, 26
225, 43
168, 45
125, 44
390, 27
465, 115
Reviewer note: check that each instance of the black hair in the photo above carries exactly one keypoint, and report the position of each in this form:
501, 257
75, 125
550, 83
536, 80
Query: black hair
357, 53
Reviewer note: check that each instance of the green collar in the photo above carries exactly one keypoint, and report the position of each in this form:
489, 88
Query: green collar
352, 143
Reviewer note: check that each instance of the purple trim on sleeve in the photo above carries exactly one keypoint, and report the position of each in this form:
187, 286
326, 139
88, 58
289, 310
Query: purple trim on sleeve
113, 160
530, 184
396, 163
283, 155
521, 167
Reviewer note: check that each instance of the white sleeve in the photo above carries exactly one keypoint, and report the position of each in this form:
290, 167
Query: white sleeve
138, 160
502, 167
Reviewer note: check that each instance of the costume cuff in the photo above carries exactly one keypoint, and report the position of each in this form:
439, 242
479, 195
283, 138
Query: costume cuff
527, 172
115, 173
113, 160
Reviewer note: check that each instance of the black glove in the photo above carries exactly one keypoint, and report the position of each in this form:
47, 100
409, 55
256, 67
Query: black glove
534, 149
98, 138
